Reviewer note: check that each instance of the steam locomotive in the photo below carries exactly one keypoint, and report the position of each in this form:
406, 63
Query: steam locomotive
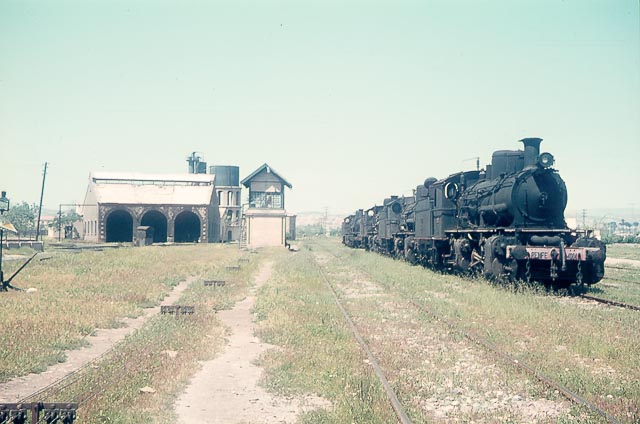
505, 222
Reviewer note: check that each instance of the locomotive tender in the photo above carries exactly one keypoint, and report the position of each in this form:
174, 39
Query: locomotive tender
505, 222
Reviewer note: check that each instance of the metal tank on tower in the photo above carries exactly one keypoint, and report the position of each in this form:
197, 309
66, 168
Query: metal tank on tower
227, 182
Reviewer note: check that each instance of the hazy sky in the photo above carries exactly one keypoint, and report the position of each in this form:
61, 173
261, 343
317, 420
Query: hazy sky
351, 101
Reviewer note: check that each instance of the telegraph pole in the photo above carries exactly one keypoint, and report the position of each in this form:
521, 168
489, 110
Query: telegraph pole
325, 218
44, 177
584, 219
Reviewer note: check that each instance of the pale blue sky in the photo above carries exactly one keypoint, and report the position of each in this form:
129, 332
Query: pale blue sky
350, 102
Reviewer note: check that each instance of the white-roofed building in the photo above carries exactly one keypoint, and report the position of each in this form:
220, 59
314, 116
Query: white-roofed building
178, 207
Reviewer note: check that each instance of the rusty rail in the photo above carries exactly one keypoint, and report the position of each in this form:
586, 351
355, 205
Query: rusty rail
476, 338
395, 403
625, 268
611, 302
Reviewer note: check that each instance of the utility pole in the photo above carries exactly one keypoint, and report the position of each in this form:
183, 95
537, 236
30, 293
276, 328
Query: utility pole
44, 177
326, 219
584, 219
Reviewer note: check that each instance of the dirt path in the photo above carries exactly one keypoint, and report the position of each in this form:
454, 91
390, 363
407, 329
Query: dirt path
226, 389
103, 340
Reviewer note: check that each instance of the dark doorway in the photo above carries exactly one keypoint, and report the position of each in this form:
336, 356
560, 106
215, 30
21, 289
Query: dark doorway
229, 235
186, 228
156, 220
119, 227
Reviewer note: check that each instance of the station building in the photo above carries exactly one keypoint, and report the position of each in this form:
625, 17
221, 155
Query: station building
178, 207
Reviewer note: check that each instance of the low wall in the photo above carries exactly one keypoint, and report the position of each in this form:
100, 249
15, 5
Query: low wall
17, 244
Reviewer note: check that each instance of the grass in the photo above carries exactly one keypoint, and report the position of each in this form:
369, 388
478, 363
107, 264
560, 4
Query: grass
591, 349
622, 285
624, 251
316, 351
93, 290
77, 293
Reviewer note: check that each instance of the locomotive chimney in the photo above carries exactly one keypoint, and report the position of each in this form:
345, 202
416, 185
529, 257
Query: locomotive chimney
531, 151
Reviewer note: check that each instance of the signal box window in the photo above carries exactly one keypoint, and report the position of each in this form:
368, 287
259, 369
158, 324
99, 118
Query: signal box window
263, 200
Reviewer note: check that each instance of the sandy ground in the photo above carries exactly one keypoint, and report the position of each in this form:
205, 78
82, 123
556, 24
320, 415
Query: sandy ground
226, 389
102, 341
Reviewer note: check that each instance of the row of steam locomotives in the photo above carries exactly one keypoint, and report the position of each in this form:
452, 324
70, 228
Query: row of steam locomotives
505, 222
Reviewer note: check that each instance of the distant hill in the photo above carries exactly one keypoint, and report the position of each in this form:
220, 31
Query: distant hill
334, 221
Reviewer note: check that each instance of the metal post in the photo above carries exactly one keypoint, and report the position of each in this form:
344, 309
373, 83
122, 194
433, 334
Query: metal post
4, 207
59, 223
1, 272
44, 177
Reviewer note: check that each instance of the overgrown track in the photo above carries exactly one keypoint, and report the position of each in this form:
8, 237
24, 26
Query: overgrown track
610, 302
474, 337
621, 280
625, 268
622, 268
395, 403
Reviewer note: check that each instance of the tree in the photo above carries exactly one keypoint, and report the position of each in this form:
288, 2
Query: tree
23, 217
66, 222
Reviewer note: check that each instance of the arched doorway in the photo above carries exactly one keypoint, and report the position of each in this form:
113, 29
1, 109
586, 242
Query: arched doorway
119, 227
186, 228
158, 221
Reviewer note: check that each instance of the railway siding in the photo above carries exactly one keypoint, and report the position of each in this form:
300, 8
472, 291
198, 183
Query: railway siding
590, 350
439, 375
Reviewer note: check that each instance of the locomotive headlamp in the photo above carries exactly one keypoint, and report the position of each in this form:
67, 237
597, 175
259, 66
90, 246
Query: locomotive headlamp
545, 160
370, 212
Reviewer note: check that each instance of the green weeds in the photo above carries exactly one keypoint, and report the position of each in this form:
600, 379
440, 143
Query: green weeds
592, 349
316, 351
80, 292
624, 251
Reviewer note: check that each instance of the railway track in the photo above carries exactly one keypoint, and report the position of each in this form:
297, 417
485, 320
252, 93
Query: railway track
546, 380
625, 268
393, 398
622, 268
479, 340
610, 302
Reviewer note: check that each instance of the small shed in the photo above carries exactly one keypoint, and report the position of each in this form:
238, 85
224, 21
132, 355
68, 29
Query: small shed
265, 220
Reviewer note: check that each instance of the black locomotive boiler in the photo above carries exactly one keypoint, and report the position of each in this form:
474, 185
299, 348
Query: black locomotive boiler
505, 222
